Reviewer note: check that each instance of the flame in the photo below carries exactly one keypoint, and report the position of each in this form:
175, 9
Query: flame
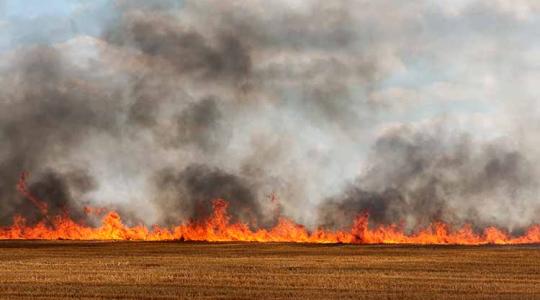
218, 228
21, 187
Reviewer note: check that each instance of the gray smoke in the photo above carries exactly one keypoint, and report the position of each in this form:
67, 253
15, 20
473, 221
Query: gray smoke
46, 110
189, 194
421, 176
337, 108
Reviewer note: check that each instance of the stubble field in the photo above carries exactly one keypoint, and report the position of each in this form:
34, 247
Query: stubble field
39, 269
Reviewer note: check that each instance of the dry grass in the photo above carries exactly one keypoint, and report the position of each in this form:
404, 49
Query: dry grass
36, 269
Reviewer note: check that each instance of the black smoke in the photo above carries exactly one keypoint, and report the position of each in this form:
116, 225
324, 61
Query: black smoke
421, 176
47, 111
188, 194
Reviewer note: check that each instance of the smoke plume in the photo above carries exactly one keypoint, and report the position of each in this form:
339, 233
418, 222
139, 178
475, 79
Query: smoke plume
406, 111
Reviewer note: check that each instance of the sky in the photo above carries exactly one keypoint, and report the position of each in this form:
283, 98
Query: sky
52, 21
305, 94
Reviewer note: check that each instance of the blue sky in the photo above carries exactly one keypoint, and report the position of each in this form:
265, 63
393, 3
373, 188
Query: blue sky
35, 8
35, 21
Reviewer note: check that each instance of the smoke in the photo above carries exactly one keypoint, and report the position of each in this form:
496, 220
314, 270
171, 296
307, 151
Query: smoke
421, 175
187, 51
337, 108
44, 114
189, 194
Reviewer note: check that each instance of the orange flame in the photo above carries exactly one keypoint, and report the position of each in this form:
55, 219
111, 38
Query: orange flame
21, 187
218, 228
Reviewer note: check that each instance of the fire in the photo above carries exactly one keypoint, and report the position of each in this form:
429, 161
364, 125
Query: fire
218, 228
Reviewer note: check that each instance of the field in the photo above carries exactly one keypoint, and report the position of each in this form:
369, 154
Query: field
39, 269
